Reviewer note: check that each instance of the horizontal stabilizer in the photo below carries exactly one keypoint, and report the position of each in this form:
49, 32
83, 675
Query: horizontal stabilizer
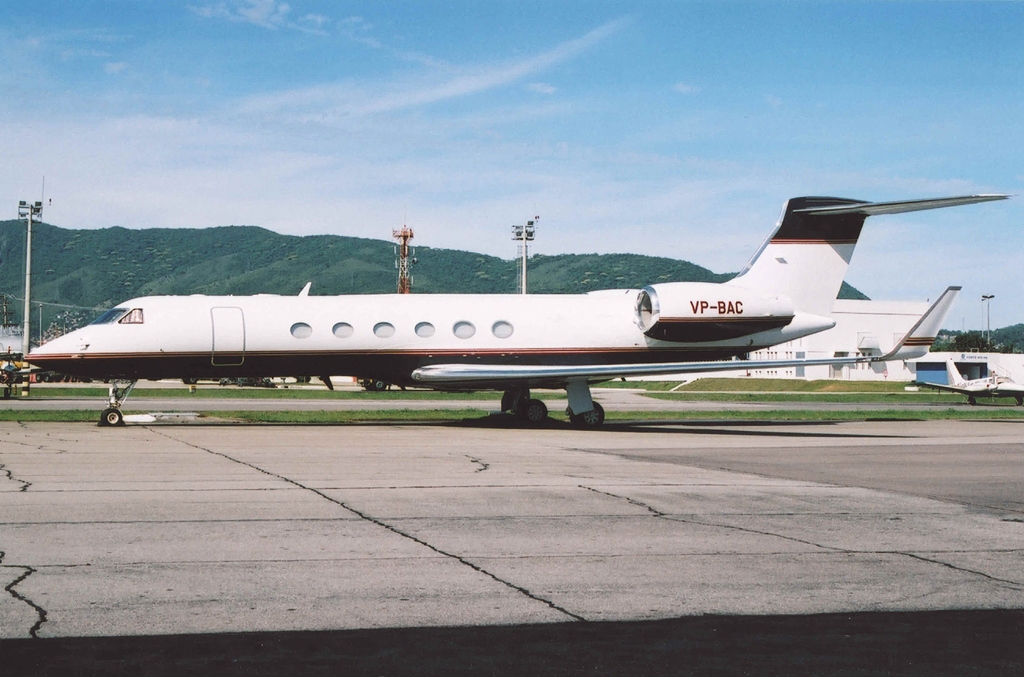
876, 208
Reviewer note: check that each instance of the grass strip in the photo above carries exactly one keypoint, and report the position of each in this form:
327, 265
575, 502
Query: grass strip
894, 398
230, 393
445, 415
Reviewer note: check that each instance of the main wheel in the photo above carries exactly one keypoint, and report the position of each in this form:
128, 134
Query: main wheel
589, 419
971, 400
111, 416
1020, 401
535, 412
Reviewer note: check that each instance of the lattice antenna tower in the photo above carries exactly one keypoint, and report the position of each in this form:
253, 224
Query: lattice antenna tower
404, 258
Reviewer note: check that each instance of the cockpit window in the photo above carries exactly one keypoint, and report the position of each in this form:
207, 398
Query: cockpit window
134, 316
111, 316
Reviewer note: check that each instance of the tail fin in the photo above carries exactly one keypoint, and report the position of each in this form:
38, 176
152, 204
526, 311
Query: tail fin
806, 256
954, 375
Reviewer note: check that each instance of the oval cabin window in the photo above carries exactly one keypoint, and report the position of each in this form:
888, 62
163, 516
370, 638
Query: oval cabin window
502, 329
424, 330
463, 329
301, 330
384, 330
342, 330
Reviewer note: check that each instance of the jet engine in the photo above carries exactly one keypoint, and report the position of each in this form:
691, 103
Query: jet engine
698, 312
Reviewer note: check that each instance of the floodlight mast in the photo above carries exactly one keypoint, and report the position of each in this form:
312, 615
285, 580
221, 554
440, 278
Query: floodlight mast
524, 234
987, 300
25, 212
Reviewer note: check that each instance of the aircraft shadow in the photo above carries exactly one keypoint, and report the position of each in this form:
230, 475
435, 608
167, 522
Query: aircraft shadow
509, 422
894, 643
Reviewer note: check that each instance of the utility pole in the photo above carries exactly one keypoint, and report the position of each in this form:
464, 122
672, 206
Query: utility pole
523, 235
402, 260
26, 212
986, 299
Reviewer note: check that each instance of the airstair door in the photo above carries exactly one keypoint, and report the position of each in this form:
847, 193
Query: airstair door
228, 336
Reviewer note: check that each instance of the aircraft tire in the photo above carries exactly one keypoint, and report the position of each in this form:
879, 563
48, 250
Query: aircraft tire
971, 401
535, 412
589, 419
1020, 401
111, 417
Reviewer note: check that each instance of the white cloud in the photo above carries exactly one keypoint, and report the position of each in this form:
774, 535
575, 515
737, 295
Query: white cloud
333, 102
773, 100
115, 68
265, 13
541, 88
684, 88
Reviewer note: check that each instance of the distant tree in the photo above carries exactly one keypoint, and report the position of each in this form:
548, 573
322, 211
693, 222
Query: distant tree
970, 340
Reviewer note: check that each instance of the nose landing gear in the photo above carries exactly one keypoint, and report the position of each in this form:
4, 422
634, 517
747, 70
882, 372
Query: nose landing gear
119, 392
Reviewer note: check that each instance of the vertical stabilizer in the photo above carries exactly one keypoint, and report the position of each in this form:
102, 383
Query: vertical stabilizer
956, 379
807, 255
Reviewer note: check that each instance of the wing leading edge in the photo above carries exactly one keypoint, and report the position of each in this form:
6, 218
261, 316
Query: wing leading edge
914, 344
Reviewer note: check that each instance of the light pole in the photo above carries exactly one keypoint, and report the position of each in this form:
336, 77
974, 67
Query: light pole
524, 234
26, 212
986, 299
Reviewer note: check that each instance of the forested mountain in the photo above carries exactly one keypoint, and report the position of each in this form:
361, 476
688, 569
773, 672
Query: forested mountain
98, 268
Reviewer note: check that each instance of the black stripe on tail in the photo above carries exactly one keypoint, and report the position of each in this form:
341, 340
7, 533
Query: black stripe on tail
819, 228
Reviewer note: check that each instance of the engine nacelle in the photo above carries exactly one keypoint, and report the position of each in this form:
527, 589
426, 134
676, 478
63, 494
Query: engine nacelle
698, 312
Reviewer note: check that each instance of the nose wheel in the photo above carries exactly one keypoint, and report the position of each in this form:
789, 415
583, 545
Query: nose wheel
111, 416
119, 392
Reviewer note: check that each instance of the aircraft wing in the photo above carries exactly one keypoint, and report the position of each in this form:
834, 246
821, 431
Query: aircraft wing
914, 344
946, 388
876, 208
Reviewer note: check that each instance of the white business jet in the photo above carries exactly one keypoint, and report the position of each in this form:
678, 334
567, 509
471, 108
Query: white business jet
505, 342
991, 386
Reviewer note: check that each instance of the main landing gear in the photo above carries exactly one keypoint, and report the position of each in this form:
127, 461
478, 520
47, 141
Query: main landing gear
583, 411
119, 392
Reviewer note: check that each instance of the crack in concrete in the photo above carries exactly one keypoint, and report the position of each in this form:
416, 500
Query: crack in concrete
384, 525
9, 588
676, 518
7, 471
657, 513
1016, 584
483, 466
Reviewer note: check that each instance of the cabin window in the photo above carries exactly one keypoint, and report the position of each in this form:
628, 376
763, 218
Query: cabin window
134, 316
502, 329
424, 330
342, 330
301, 330
463, 329
384, 330
111, 316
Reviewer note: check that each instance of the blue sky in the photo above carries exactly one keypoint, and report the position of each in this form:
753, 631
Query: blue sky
666, 128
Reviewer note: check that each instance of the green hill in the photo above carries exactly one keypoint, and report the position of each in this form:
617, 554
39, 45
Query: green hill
98, 268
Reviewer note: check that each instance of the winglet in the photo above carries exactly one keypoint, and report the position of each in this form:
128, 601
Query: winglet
305, 290
922, 335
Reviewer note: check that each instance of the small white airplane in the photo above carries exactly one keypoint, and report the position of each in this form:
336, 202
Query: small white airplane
504, 342
990, 386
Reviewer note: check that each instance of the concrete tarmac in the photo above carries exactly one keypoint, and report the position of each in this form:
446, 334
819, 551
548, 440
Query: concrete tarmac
197, 529
613, 399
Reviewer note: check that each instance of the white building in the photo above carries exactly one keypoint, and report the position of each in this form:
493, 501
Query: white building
869, 328
862, 328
